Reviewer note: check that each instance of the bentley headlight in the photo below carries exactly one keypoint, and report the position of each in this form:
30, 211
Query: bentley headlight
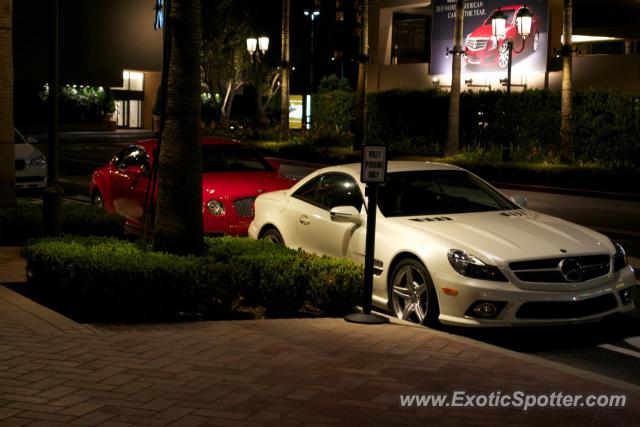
620, 257
38, 161
470, 266
215, 207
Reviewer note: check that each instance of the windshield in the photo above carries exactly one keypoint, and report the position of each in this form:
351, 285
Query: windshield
232, 158
438, 192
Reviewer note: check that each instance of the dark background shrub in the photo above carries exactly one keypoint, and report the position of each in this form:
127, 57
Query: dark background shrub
24, 221
606, 123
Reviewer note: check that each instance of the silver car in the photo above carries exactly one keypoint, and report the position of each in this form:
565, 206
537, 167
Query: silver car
31, 164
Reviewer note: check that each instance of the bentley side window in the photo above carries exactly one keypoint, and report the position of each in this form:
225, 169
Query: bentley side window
133, 156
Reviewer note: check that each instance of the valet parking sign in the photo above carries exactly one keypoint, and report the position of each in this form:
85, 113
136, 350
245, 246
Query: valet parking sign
374, 164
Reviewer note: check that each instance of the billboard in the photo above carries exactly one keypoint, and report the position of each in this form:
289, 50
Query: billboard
483, 52
295, 111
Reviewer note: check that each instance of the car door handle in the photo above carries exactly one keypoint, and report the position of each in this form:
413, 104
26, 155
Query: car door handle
304, 220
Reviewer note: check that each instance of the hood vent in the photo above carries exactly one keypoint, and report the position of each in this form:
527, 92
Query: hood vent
515, 213
432, 219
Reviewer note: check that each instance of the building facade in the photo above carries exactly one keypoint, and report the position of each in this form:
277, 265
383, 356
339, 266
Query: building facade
410, 38
102, 44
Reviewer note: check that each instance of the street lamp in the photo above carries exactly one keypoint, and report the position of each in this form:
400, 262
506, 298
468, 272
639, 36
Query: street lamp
257, 46
312, 14
523, 20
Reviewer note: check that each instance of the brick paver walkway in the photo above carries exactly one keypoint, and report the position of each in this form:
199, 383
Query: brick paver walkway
278, 372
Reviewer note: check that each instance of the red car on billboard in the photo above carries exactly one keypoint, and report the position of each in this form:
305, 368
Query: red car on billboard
482, 49
233, 175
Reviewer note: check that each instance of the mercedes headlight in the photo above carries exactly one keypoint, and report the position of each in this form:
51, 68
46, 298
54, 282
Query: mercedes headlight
38, 161
620, 257
215, 207
470, 266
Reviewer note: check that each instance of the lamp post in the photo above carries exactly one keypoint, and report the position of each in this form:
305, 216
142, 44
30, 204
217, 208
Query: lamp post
257, 47
312, 14
523, 20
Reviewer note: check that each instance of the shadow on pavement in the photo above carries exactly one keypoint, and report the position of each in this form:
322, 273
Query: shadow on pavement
534, 339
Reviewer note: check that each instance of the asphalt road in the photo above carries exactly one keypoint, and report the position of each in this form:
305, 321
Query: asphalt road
610, 347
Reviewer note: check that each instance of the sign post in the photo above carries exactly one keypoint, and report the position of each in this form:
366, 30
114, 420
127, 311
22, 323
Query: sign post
373, 172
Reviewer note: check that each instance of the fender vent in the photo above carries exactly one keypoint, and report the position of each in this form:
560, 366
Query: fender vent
432, 219
515, 213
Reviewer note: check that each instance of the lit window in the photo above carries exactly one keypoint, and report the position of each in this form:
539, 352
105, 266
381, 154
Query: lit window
132, 80
339, 16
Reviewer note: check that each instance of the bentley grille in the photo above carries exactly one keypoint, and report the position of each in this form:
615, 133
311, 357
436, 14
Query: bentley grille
244, 206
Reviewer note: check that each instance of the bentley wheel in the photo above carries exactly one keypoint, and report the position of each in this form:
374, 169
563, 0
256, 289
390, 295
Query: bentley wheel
413, 297
274, 236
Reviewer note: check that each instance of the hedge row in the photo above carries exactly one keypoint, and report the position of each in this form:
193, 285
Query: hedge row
23, 221
105, 279
555, 175
606, 123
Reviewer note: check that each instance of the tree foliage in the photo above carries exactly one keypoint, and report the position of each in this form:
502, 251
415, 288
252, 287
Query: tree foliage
225, 62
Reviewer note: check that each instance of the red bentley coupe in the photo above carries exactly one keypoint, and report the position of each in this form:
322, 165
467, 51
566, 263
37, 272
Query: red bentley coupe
232, 176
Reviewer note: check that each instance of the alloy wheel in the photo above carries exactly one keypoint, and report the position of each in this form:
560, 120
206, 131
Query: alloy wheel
503, 56
409, 294
273, 236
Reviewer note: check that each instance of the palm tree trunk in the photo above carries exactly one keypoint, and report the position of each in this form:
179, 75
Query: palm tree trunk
284, 71
453, 135
7, 156
566, 133
361, 97
178, 222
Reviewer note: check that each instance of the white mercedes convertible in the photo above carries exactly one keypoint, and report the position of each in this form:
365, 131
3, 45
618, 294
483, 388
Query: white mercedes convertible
451, 248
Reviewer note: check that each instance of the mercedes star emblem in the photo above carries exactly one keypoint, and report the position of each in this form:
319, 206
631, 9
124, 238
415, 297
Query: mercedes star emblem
571, 270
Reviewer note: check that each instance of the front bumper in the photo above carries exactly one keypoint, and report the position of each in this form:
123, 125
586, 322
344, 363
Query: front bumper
27, 179
593, 301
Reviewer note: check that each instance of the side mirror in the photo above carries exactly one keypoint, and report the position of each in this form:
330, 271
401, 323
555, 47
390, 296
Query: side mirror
274, 164
520, 200
345, 214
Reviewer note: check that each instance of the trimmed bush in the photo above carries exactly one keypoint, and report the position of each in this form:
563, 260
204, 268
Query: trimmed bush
409, 121
108, 279
105, 279
284, 281
24, 221
333, 114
